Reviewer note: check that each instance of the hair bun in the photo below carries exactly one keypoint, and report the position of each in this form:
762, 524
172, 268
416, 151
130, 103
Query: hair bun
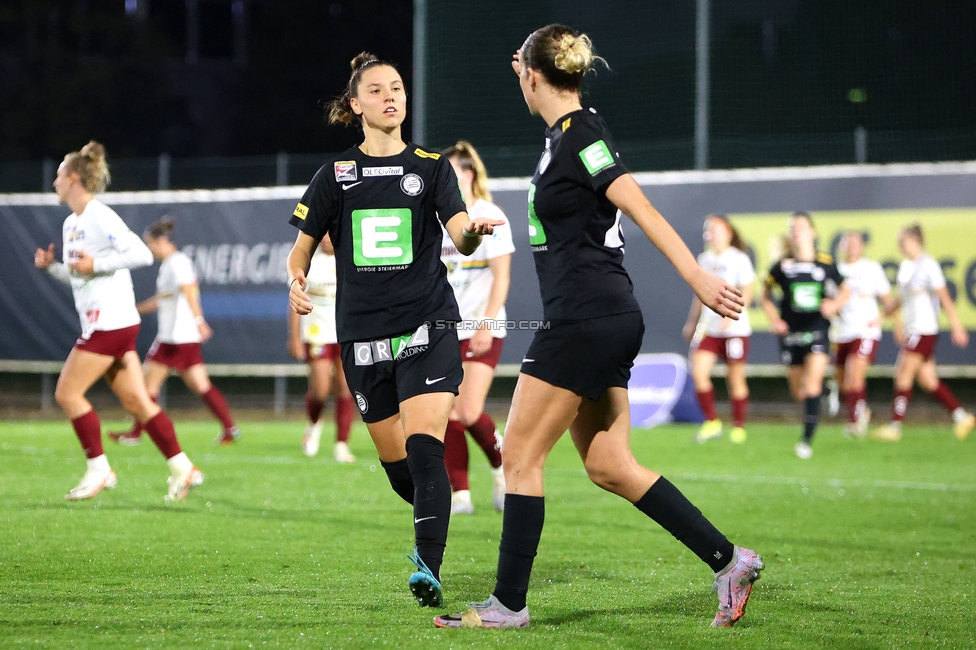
93, 150
574, 53
362, 59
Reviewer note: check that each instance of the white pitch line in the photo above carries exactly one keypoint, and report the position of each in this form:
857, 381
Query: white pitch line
830, 482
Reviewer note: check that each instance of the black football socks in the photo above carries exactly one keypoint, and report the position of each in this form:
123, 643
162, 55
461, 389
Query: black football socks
400, 480
665, 504
811, 417
521, 529
431, 498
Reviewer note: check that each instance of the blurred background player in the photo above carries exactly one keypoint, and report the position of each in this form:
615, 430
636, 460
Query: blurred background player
480, 284
813, 292
574, 375
383, 203
857, 328
180, 334
714, 337
99, 250
312, 339
921, 289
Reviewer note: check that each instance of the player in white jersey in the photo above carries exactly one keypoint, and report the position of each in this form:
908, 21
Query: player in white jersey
921, 289
99, 249
312, 339
480, 284
181, 331
857, 328
714, 337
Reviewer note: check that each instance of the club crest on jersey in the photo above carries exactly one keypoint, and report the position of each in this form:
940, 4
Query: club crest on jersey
546, 159
412, 185
345, 170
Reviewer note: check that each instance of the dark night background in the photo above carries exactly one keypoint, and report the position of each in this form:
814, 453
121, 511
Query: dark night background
791, 80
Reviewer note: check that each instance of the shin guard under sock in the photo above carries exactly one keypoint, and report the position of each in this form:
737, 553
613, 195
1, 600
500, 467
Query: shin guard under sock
400, 480
431, 500
522, 524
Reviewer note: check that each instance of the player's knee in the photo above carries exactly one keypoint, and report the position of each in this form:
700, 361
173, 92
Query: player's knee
604, 473
467, 414
63, 396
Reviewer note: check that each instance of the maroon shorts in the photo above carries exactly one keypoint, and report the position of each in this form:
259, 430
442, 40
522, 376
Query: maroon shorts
731, 349
489, 358
863, 348
178, 356
330, 351
111, 343
923, 344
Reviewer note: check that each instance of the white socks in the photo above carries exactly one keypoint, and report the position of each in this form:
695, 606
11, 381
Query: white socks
179, 464
99, 464
959, 415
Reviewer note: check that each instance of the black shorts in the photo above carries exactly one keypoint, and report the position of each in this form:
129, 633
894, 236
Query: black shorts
795, 346
586, 356
385, 372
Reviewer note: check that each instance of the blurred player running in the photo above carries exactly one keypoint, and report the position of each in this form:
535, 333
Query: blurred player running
480, 285
312, 339
714, 337
813, 292
99, 250
921, 289
181, 332
857, 328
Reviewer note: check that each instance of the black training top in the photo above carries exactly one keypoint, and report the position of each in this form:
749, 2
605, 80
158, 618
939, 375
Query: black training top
574, 230
804, 285
384, 216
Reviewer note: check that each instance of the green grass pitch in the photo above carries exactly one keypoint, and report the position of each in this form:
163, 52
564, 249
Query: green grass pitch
867, 545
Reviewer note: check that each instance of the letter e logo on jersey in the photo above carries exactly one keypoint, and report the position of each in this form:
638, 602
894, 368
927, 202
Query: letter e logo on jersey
412, 185
345, 170
382, 237
596, 157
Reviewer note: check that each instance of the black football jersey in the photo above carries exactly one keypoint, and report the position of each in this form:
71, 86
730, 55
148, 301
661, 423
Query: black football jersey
805, 285
384, 216
574, 229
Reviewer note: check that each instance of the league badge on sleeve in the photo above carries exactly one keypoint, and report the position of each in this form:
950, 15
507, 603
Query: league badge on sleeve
345, 170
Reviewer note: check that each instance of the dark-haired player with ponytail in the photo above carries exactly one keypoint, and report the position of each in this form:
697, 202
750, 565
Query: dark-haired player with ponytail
383, 203
182, 331
99, 249
715, 337
813, 293
574, 375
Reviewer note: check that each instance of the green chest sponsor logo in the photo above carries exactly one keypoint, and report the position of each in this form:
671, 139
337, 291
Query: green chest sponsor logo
382, 237
596, 157
806, 296
537, 236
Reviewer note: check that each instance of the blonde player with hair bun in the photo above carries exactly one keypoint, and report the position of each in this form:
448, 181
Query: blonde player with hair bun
574, 375
480, 284
99, 249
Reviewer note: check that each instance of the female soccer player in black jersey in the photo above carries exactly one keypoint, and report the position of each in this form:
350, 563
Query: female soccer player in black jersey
813, 293
382, 203
574, 375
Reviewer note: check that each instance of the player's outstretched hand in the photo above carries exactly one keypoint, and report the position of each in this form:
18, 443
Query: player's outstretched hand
779, 327
718, 295
960, 337
481, 226
297, 297
44, 258
84, 264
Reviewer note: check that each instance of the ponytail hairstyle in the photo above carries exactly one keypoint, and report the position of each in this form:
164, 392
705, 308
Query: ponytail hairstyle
467, 157
735, 240
561, 54
162, 228
914, 230
339, 109
90, 165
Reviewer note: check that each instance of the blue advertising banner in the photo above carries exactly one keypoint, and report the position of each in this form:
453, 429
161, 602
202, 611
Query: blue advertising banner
239, 241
